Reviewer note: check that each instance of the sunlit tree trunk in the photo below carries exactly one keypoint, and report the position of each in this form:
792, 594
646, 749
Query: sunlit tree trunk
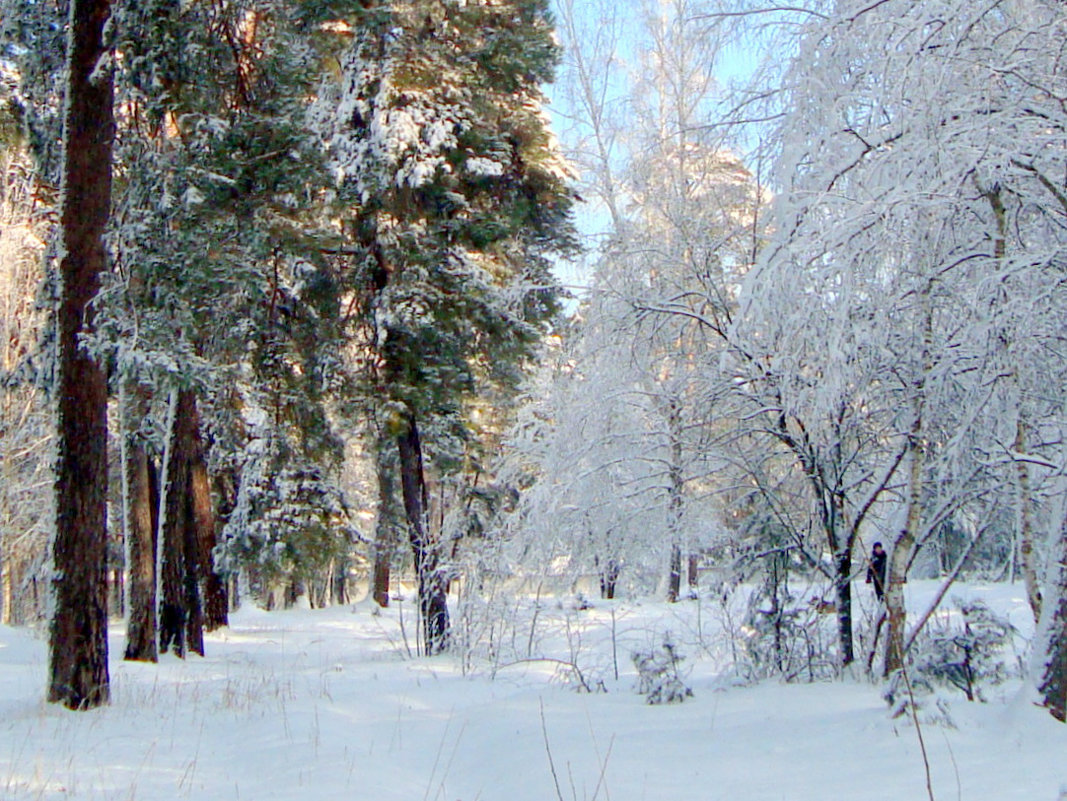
140, 510
78, 669
202, 520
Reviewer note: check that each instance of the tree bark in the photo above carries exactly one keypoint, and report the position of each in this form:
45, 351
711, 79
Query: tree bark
895, 608
385, 536
675, 503
1027, 554
202, 518
900, 558
181, 618
78, 653
433, 599
1051, 641
843, 599
609, 577
674, 574
141, 510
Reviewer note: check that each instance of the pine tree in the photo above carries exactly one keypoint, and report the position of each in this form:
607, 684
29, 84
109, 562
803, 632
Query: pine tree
78, 669
226, 293
457, 196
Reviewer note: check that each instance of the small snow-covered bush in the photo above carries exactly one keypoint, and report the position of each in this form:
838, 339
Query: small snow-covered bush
967, 658
786, 637
659, 674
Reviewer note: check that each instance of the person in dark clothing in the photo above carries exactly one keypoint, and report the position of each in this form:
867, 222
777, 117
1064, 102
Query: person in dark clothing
876, 570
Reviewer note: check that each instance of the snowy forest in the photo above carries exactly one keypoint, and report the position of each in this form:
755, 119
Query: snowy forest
487, 326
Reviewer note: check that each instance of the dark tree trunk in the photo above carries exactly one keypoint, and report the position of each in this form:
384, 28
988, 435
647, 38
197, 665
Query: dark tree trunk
381, 580
142, 520
386, 528
843, 596
78, 656
181, 618
674, 584
609, 577
676, 502
216, 604
195, 570
693, 572
172, 544
225, 483
339, 583
433, 600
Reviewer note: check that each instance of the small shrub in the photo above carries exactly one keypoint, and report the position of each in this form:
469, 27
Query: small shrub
965, 659
969, 658
659, 674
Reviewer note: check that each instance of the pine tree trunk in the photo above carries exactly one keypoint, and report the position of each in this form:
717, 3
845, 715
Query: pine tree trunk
381, 580
172, 541
195, 571
433, 600
216, 604
78, 654
339, 585
181, 618
141, 505
385, 538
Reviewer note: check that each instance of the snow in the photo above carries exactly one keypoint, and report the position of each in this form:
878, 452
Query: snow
476, 165
328, 704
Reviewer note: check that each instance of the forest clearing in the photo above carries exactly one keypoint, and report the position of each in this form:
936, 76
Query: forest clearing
328, 703
533, 399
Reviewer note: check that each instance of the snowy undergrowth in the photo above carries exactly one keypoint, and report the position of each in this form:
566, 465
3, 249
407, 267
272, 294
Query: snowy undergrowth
328, 703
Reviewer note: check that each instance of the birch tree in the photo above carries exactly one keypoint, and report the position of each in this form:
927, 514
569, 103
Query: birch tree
909, 143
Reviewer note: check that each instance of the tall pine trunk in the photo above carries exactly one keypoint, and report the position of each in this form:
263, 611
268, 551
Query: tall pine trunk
202, 520
433, 599
78, 668
385, 535
181, 618
141, 519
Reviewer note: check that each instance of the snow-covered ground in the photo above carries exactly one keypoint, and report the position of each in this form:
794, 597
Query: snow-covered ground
328, 704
